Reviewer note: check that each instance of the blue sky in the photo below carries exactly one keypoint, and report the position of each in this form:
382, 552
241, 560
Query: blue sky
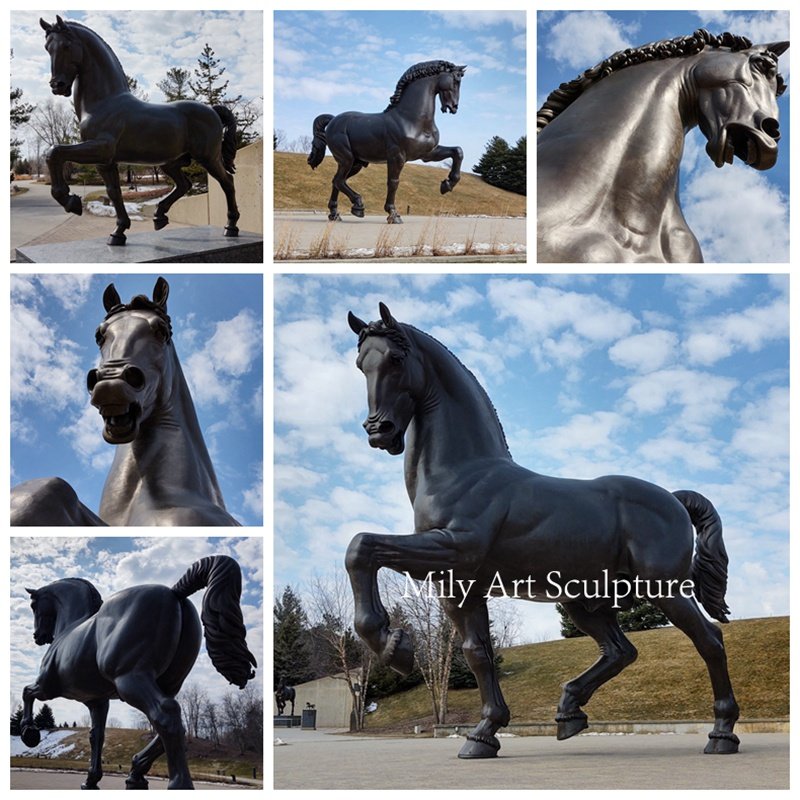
335, 61
737, 213
113, 564
147, 43
679, 380
218, 337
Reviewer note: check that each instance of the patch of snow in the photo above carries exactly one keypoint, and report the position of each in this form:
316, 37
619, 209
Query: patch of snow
100, 210
50, 747
279, 742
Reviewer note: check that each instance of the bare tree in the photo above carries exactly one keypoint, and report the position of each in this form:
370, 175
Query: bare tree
210, 724
332, 612
302, 144
242, 714
506, 622
54, 123
278, 139
192, 700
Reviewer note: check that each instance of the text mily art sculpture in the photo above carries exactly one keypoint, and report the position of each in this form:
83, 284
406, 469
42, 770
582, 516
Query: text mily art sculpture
162, 473
405, 131
477, 516
117, 127
610, 143
138, 646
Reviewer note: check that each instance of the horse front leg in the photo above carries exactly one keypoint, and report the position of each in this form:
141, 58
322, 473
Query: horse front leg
416, 555
440, 153
110, 175
98, 711
95, 151
28, 730
394, 166
472, 623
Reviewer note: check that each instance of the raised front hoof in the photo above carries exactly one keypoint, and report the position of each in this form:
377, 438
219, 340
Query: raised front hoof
357, 211
570, 725
231, 230
74, 205
480, 747
337, 217
30, 736
399, 652
117, 239
136, 783
721, 744
445, 187
160, 222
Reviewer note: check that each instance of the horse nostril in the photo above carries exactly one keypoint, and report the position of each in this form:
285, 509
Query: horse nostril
134, 377
386, 427
771, 128
91, 379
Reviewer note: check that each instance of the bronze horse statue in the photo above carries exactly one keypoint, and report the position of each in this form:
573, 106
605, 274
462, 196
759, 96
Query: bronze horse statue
162, 473
405, 131
116, 127
480, 518
284, 694
138, 646
610, 143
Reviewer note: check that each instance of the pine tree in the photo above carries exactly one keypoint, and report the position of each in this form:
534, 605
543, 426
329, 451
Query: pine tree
642, 616
207, 73
45, 720
291, 657
504, 166
16, 722
176, 85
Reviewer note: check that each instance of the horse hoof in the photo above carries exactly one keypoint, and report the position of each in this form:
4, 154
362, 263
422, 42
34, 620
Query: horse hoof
337, 217
445, 187
74, 205
722, 743
399, 652
31, 736
394, 219
87, 786
231, 230
570, 724
480, 747
136, 783
160, 222
117, 239
357, 211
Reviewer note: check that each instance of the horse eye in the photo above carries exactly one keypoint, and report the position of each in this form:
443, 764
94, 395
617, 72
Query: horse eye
100, 336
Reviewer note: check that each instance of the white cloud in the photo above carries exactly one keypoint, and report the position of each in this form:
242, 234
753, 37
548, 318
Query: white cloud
645, 352
481, 20
763, 432
581, 39
694, 291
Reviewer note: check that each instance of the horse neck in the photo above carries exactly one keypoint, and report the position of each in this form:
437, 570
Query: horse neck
638, 118
168, 456
418, 101
454, 422
107, 76
73, 606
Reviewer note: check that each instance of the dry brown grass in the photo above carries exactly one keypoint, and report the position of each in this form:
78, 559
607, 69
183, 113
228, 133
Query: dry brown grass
298, 187
286, 240
327, 244
668, 681
386, 242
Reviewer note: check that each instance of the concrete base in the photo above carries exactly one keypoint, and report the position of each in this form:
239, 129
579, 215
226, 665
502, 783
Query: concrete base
286, 721
201, 245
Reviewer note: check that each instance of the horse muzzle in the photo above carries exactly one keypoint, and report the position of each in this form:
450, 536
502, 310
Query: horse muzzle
758, 148
61, 87
115, 394
42, 638
385, 435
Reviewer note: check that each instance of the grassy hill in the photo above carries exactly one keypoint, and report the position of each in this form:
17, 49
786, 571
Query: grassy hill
298, 188
668, 681
206, 761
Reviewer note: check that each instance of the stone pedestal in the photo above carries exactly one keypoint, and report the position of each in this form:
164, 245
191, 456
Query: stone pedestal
286, 721
201, 245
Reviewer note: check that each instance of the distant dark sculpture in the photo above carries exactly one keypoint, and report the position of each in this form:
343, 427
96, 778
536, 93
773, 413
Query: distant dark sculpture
610, 143
480, 518
284, 694
116, 127
405, 131
161, 473
138, 646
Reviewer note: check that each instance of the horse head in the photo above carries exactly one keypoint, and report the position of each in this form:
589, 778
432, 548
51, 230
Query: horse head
66, 55
44, 610
448, 87
395, 379
737, 108
134, 339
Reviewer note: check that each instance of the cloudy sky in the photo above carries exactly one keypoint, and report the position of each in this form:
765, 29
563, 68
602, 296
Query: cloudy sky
147, 44
679, 380
750, 207
113, 564
335, 61
218, 336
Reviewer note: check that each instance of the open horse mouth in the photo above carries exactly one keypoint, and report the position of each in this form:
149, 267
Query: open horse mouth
121, 423
394, 445
756, 149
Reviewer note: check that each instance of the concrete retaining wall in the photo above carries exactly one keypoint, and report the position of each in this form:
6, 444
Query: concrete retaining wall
330, 697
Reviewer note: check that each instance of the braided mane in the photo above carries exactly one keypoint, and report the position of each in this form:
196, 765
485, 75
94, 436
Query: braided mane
422, 70
569, 92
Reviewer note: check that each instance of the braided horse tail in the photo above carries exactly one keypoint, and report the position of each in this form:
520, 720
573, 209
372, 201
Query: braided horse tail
228, 137
319, 142
222, 619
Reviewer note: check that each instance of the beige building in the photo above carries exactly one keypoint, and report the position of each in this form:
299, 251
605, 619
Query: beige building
331, 698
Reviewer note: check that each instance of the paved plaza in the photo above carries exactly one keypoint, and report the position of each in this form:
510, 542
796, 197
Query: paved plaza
319, 760
52, 780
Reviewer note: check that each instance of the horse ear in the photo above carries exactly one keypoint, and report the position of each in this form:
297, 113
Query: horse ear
356, 325
388, 320
32, 592
111, 297
46, 26
462, 69
161, 293
60, 22
777, 48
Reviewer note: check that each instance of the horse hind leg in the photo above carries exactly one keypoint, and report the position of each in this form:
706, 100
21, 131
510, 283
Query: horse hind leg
217, 170
347, 167
683, 613
333, 203
182, 185
616, 653
141, 763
